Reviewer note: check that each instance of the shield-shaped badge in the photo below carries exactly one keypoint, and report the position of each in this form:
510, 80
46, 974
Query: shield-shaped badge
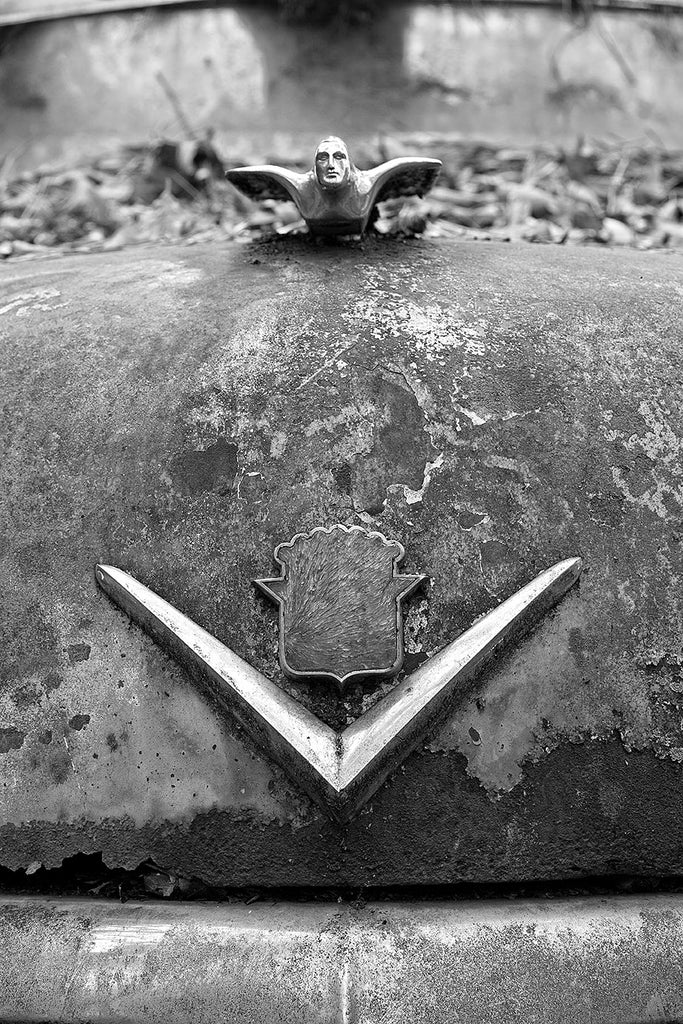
340, 603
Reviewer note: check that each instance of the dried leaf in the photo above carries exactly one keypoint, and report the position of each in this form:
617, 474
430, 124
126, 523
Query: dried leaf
616, 232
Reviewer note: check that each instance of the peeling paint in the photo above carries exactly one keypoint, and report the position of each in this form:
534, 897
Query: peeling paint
416, 623
662, 479
430, 467
166, 273
25, 302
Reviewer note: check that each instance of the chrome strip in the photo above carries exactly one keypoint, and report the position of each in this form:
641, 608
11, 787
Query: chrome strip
340, 771
616, 959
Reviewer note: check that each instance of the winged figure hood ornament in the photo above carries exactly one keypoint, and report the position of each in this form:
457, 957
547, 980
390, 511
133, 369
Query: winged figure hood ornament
334, 197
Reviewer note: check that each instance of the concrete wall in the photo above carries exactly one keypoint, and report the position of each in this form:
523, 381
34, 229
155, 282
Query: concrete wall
506, 74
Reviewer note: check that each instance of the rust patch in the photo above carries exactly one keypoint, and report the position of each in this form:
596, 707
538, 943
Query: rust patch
79, 722
213, 469
52, 681
399, 451
59, 765
40, 657
11, 739
78, 652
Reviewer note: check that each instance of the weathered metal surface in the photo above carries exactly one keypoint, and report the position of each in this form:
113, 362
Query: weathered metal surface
334, 197
559, 962
177, 412
529, 75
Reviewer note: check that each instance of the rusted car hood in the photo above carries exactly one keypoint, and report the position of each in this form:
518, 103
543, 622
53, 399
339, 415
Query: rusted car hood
178, 412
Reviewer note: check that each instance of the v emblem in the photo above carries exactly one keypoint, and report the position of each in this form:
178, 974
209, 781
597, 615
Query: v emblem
339, 770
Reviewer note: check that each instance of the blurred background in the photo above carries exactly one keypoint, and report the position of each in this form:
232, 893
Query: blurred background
556, 123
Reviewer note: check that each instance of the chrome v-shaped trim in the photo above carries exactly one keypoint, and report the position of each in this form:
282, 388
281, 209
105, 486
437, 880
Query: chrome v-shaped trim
339, 770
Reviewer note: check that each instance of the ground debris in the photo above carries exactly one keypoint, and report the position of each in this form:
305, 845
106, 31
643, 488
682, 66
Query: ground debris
599, 193
88, 876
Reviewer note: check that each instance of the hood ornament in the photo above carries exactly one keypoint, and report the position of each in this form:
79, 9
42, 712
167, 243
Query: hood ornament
334, 197
322, 577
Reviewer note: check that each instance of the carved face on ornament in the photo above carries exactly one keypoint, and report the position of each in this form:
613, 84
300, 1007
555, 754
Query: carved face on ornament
332, 164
